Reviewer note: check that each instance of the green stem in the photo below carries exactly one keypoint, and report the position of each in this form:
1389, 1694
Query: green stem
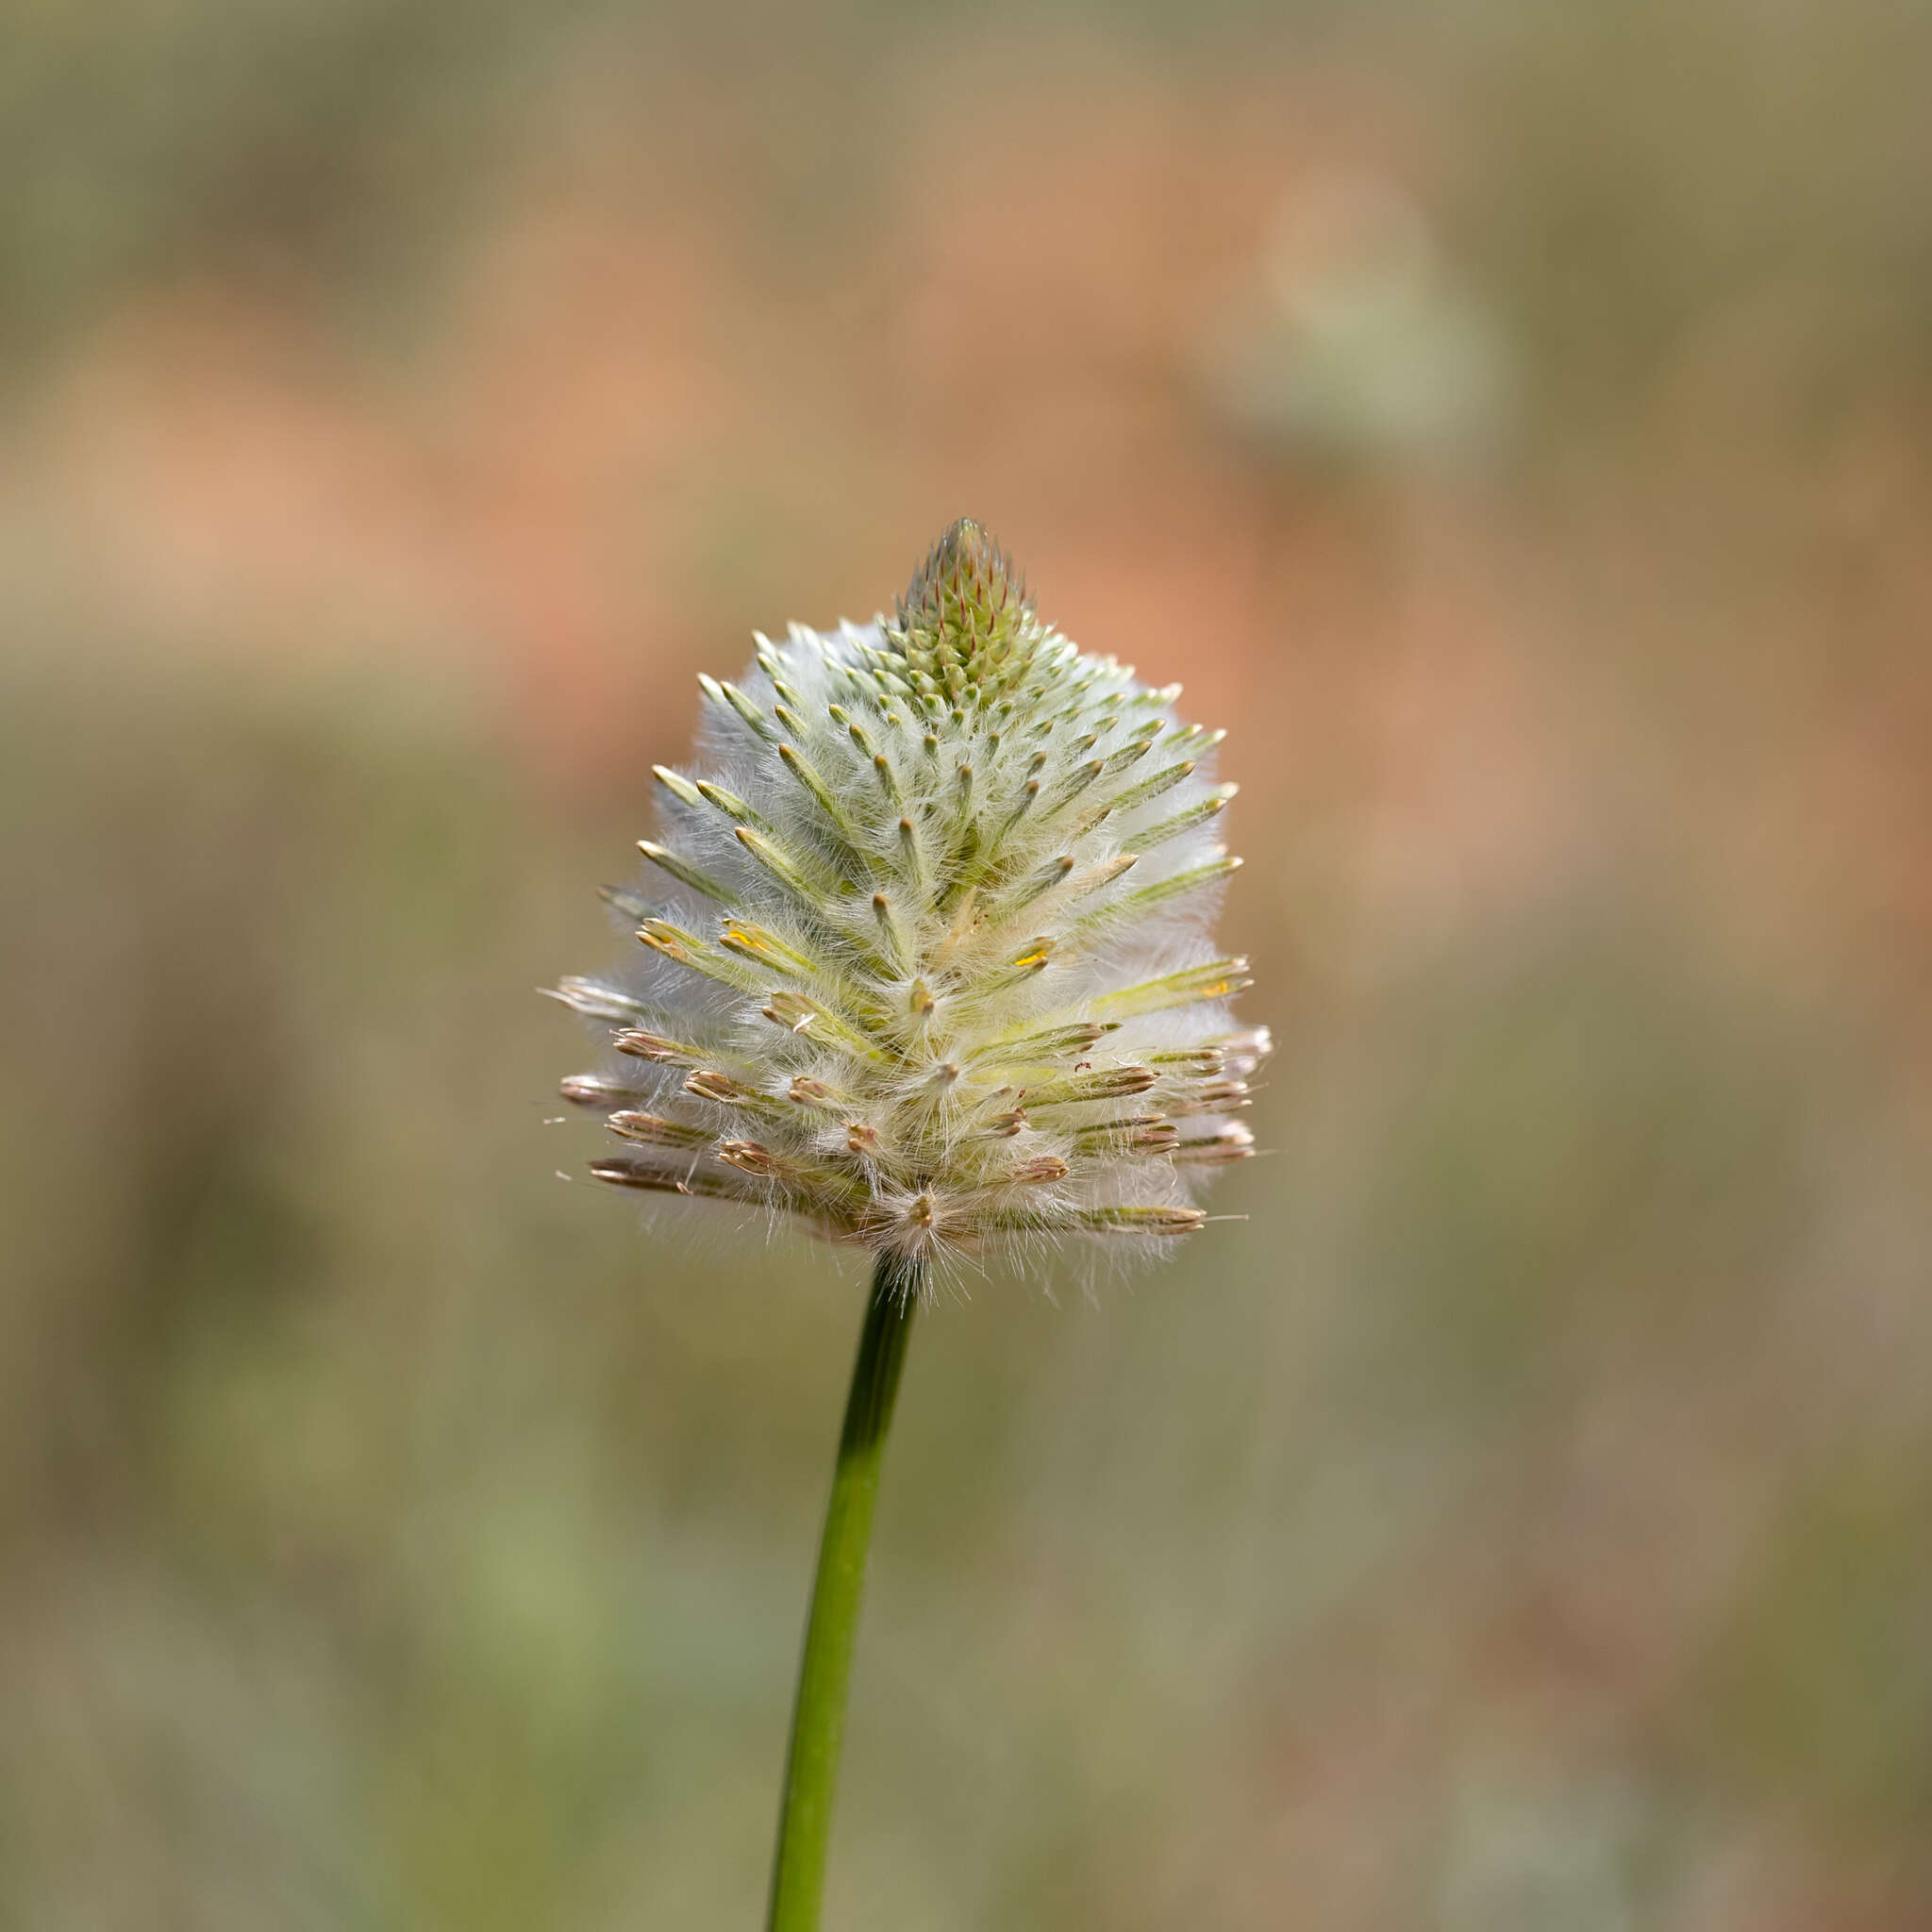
818, 1719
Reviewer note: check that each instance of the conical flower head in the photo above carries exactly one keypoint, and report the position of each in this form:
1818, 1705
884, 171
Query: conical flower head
925, 954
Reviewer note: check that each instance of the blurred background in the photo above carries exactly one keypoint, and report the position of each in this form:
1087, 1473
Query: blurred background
1515, 422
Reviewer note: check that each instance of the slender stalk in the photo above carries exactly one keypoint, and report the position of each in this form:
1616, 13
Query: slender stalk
818, 1718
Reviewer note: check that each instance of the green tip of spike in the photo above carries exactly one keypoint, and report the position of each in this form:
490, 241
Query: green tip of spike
965, 627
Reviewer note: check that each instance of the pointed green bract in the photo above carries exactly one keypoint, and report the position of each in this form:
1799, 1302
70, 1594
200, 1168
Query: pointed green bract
965, 630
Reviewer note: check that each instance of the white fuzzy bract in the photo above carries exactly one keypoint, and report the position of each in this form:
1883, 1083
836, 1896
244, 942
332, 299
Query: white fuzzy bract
926, 946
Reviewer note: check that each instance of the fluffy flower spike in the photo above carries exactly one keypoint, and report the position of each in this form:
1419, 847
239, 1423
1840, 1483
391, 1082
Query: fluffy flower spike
925, 951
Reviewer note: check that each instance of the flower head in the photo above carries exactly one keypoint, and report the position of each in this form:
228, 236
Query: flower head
924, 939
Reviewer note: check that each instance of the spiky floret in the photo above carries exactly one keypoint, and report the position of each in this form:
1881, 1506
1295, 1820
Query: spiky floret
924, 954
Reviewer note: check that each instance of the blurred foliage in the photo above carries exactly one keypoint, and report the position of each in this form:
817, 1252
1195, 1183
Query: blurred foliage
1515, 1520
328, 139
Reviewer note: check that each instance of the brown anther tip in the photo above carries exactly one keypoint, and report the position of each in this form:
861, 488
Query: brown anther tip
588, 1089
752, 1155
1049, 1167
878, 902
